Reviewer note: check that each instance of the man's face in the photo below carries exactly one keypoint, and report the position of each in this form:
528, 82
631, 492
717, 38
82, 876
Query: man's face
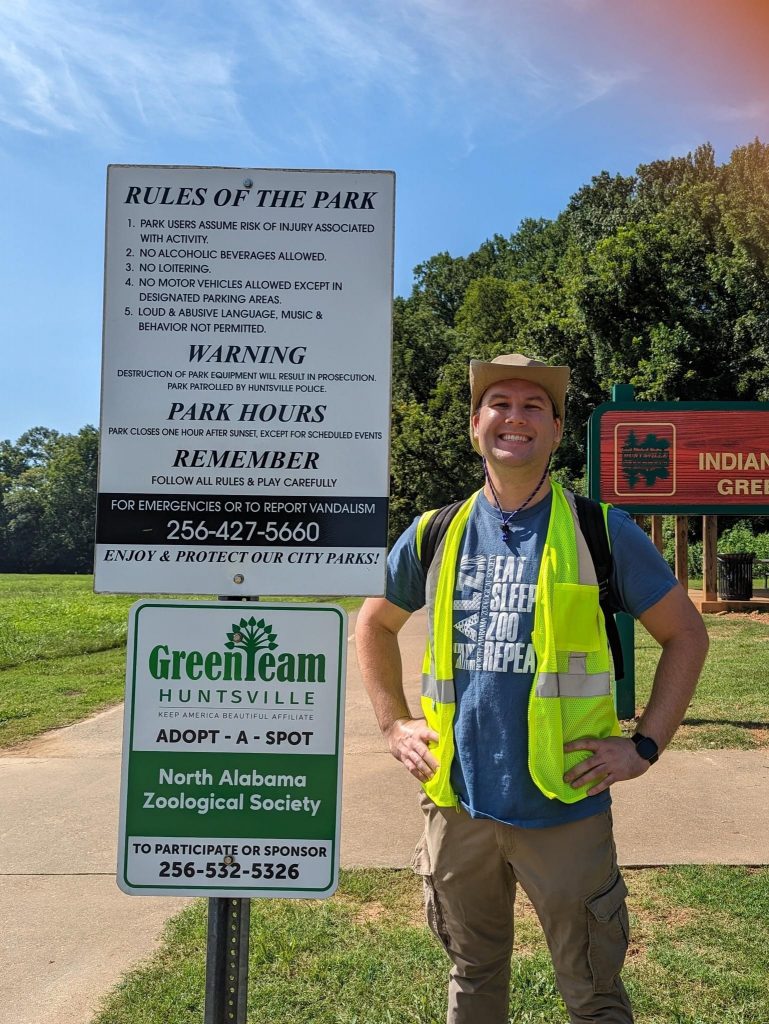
514, 425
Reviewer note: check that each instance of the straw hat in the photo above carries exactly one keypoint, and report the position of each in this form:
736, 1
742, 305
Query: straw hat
552, 379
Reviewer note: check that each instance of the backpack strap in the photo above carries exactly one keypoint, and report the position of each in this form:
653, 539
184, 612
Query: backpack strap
433, 527
595, 530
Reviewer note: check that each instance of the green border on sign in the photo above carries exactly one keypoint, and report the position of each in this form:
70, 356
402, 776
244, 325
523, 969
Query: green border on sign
594, 457
265, 891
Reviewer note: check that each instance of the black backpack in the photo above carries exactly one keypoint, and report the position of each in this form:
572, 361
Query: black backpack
591, 522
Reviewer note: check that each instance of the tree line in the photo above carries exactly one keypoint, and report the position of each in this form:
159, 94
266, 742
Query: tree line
48, 501
659, 279
656, 279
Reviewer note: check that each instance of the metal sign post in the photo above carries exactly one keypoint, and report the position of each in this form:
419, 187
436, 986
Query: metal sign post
232, 751
227, 946
227, 961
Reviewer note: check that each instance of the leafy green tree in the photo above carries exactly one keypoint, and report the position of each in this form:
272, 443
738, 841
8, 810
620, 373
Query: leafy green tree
49, 504
659, 279
422, 343
600, 209
70, 511
440, 283
37, 445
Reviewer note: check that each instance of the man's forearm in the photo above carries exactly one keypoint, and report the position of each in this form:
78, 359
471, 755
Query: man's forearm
379, 658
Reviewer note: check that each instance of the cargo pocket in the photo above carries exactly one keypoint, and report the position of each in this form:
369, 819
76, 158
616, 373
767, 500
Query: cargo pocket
420, 865
608, 932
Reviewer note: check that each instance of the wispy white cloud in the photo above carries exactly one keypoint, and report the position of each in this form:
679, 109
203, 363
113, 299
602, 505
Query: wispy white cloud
749, 110
593, 85
77, 66
446, 60
307, 36
296, 69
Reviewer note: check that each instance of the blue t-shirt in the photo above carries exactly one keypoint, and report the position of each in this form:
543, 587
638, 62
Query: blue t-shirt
494, 660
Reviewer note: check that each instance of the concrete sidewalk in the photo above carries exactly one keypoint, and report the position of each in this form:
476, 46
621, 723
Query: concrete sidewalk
68, 933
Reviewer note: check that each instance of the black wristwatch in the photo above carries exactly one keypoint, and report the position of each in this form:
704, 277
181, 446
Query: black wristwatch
646, 747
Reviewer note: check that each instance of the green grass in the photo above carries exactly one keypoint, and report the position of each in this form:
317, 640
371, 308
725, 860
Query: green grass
51, 693
49, 617
62, 651
699, 955
731, 705
62, 658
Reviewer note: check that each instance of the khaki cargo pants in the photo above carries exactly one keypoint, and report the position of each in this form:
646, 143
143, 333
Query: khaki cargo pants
471, 868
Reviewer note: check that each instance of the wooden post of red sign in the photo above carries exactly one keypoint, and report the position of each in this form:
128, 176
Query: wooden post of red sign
657, 533
709, 558
682, 551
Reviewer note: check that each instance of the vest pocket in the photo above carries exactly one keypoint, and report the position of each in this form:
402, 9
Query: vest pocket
608, 932
575, 617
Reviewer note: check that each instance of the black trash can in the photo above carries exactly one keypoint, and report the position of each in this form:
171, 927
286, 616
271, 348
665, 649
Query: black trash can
735, 577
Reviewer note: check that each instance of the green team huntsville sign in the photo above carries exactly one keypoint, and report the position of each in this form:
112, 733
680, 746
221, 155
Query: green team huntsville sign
231, 782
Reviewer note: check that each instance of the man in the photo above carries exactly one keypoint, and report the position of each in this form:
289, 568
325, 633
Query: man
518, 742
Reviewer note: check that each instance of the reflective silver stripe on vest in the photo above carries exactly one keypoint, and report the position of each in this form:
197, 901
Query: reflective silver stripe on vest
440, 690
573, 684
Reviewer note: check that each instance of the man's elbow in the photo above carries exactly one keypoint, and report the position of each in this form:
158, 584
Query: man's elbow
695, 638
379, 618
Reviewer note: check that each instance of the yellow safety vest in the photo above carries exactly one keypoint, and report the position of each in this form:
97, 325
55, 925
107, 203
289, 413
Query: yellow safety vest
571, 693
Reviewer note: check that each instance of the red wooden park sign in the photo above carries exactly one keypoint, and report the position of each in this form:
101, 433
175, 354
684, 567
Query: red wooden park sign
704, 458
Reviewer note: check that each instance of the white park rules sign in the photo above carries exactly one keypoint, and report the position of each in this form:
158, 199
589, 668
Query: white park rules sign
245, 381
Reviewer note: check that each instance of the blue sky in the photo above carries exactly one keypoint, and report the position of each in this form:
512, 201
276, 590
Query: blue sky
488, 112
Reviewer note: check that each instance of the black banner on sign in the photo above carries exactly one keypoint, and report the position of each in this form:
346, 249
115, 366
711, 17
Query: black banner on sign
235, 520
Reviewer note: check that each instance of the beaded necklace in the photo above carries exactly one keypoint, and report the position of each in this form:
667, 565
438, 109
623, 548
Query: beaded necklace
506, 517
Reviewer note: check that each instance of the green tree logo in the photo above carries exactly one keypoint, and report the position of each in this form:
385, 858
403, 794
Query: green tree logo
251, 636
649, 459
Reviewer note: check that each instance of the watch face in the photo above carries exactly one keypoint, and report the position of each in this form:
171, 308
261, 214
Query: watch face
646, 747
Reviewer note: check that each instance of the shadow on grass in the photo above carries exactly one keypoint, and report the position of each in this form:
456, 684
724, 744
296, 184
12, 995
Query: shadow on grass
724, 722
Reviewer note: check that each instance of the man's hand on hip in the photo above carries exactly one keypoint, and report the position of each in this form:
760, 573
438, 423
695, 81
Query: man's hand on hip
408, 739
614, 759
